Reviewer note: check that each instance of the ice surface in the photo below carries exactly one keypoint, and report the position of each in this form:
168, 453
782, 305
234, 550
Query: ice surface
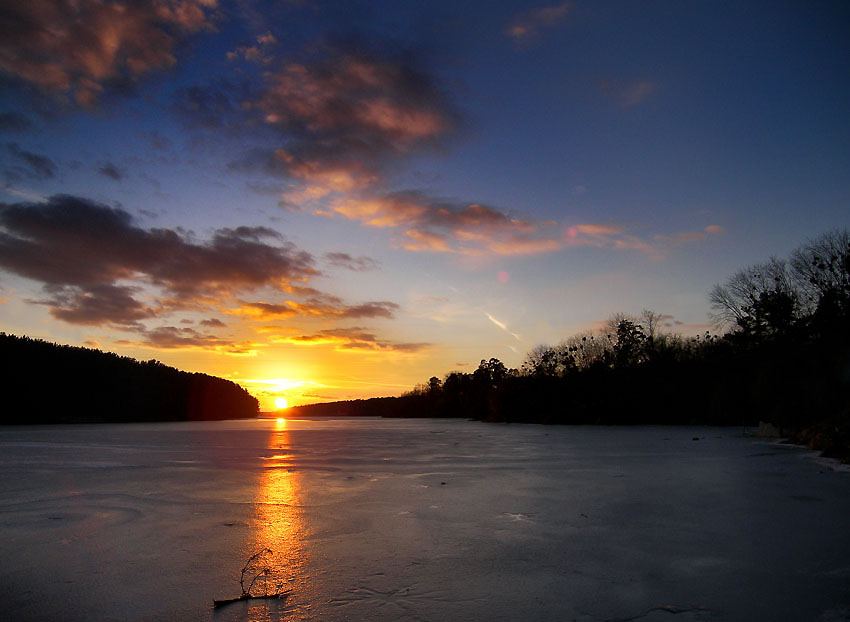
419, 520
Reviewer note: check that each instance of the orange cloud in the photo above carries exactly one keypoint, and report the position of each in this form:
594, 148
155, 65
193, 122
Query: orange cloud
424, 241
354, 338
321, 305
64, 46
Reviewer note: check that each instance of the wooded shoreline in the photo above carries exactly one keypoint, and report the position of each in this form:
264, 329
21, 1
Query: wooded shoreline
49, 383
785, 360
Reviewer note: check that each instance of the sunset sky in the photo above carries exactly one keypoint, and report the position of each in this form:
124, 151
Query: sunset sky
330, 200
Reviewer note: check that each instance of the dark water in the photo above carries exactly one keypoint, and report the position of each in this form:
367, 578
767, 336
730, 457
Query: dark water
419, 520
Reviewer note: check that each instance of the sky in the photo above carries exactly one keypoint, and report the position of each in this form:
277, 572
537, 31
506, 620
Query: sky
336, 200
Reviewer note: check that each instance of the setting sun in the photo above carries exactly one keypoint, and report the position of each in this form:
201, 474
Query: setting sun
280, 403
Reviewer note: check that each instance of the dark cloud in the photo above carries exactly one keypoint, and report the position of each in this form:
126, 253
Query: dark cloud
111, 171
354, 338
356, 264
169, 337
80, 49
96, 305
80, 250
174, 338
213, 323
14, 122
28, 164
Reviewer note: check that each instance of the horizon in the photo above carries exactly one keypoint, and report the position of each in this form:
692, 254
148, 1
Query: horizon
339, 201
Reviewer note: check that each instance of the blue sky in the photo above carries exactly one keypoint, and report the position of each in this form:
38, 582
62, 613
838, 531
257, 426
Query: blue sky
348, 198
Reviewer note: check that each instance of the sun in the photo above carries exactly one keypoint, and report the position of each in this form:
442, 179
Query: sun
280, 403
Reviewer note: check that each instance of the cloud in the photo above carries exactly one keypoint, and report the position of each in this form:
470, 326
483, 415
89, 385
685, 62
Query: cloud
96, 305
67, 47
111, 171
256, 53
527, 26
427, 224
213, 322
14, 122
85, 253
175, 338
344, 117
616, 236
503, 326
313, 176
602, 235
354, 338
355, 264
684, 237
317, 305
436, 225
28, 164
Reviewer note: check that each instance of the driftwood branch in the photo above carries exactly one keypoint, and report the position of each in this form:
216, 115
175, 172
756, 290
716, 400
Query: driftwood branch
277, 595
251, 568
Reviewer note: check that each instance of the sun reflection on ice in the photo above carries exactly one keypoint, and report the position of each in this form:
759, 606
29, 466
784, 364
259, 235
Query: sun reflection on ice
279, 520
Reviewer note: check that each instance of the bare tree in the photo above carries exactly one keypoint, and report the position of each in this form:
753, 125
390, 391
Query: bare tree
759, 299
651, 323
588, 349
821, 270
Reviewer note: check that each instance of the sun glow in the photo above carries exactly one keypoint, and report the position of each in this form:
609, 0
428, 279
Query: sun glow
280, 403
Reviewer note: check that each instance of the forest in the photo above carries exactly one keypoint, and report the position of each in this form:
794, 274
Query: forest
48, 383
782, 356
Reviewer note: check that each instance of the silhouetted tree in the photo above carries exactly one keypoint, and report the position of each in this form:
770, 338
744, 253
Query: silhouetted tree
761, 301
821, 269
628, 349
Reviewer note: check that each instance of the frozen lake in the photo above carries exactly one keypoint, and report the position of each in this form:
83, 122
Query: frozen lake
419, 520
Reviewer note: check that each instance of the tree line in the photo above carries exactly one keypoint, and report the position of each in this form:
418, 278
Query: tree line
782, 355
48, 383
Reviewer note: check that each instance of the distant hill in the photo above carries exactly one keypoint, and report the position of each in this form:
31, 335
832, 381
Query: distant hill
48, 383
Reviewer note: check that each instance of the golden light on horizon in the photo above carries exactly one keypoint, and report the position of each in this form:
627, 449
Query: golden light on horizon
280, 403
